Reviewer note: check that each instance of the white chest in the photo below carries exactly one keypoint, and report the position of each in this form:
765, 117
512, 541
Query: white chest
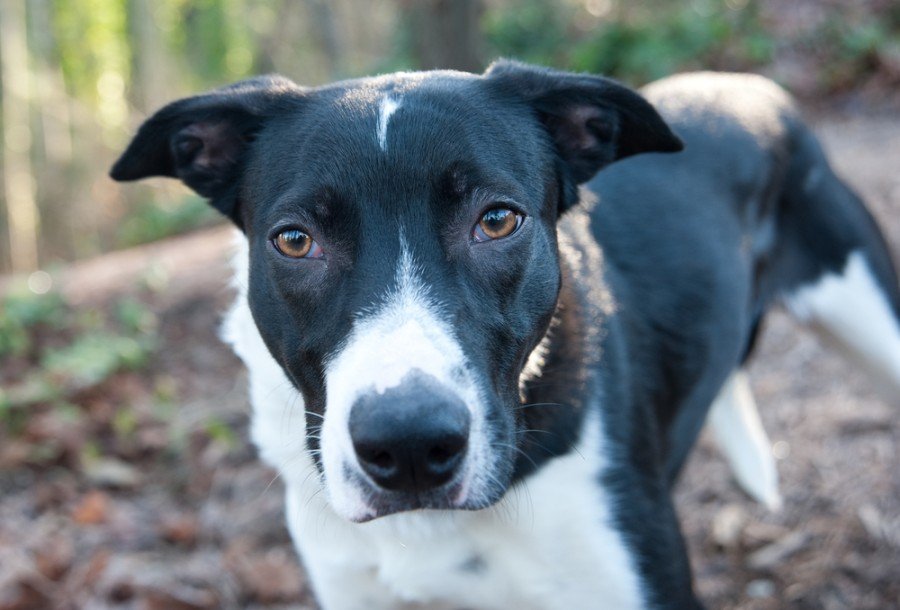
548, 545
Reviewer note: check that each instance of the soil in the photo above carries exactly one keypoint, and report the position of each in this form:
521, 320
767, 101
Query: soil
179, 513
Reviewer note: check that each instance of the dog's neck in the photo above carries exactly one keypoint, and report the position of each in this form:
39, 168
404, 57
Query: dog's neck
561, 373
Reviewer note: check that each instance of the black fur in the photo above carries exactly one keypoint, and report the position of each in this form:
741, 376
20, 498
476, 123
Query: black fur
645, 298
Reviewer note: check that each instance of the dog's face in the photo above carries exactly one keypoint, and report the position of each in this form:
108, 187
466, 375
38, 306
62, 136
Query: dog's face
403, 259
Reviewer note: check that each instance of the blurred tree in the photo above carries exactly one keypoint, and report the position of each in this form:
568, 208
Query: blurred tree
18, 182
52, 136
150, 58
328, 35
445, 34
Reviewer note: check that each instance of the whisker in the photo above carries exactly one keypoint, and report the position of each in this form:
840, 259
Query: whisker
532, 405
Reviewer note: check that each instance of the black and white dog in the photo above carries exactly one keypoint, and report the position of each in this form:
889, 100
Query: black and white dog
477, 366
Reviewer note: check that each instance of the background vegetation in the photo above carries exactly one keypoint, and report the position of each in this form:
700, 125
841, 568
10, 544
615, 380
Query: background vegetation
79, 75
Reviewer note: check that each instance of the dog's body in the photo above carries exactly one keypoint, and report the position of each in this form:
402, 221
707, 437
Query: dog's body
577, 375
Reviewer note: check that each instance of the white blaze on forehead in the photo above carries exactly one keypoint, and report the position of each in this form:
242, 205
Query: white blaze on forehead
386, 108
408, 332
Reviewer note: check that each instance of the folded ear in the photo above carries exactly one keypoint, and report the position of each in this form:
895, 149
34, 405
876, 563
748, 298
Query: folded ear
201, 139
592, 120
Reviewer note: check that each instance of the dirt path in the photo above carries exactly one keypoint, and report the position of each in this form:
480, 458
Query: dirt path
194, 521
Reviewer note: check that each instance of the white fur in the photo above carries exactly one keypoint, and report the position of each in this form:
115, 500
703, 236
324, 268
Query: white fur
741, 437
386, 108
407, 333
278, 426
852, 310
547, 545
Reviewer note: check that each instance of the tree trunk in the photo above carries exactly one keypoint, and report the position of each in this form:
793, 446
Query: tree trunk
18, 182
328, 36
151, 81
51, 153
445, 34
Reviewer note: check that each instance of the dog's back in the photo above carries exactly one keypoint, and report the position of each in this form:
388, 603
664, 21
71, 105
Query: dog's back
749, 215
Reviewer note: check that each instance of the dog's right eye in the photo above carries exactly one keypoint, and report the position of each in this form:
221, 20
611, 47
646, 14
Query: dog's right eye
294, 243
497, 223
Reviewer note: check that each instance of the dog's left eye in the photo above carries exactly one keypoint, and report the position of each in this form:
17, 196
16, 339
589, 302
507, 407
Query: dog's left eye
294, 243
497, 223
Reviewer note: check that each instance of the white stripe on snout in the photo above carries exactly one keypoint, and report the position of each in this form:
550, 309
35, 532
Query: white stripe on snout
386, 108
407, 333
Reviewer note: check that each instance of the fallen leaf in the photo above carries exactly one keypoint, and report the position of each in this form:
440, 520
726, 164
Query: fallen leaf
183, 598
180, 529
93, 508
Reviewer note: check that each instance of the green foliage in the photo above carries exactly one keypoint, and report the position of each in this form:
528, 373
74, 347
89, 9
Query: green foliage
49, 351
155, 220
92, 39
851, 47
21, 311
214, 37
125, 423
637, 43
135, 317
92, 358
641, 41
221, 432
534, 31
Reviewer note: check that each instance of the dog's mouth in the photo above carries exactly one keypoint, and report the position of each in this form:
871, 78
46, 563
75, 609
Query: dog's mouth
381, 503
463, 492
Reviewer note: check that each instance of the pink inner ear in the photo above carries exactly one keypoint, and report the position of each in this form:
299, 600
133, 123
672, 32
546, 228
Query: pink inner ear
579, 117
221, 144
577, 129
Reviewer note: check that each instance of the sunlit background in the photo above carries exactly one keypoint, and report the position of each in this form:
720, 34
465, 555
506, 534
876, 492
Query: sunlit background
79, 75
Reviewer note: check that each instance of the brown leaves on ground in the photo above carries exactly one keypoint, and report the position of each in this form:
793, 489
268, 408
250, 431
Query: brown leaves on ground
93, 508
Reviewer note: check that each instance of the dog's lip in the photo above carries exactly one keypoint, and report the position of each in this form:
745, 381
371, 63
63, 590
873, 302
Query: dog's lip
381, 502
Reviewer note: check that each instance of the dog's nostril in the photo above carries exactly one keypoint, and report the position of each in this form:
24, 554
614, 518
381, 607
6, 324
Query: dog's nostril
382, 459
439, 455
375, 456
445, 452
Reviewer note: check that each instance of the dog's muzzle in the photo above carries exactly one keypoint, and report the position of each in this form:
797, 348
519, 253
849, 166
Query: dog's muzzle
412, 438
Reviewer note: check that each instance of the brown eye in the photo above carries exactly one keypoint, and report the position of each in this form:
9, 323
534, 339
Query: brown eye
294, 243
497, 223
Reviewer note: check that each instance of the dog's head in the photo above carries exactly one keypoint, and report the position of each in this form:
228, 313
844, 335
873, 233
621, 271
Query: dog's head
403, 254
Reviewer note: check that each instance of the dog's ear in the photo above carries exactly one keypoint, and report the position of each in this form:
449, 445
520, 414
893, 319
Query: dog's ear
200, 140
592, 120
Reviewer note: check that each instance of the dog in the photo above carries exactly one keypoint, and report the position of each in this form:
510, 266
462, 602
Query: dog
477, 361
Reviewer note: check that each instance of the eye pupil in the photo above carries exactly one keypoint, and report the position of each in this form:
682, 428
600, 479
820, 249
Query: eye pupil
293, 243
498, 223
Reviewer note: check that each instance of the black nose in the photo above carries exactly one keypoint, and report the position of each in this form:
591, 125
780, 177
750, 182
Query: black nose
411, 438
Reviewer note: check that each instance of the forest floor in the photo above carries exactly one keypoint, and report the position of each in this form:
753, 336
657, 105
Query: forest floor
142, 490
